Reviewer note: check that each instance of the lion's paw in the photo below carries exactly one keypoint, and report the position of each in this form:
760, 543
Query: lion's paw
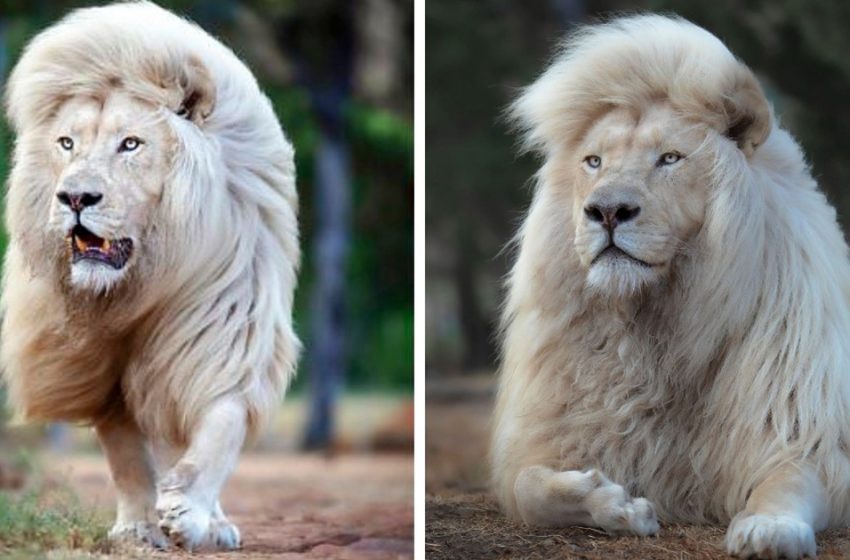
641, 517
615, 511
628, 516
185, 523
224, 535
137, 533
770, 536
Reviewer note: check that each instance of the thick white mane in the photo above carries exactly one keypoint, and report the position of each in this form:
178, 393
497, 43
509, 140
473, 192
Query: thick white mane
692, 393
633, 62
212, 309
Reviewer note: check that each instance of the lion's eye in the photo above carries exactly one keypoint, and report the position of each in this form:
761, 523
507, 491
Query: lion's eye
66, 143
669, 158
129, 144
593, 162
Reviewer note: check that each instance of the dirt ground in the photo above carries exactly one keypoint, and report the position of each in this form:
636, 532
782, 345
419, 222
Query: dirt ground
464, 522
287, 506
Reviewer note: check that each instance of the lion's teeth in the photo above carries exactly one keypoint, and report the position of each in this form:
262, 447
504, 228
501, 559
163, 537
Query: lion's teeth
106, 245
81, 245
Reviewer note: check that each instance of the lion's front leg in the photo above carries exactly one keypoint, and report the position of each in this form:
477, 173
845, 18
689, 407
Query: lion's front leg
551, 498
187, 505
781, 516
130, 463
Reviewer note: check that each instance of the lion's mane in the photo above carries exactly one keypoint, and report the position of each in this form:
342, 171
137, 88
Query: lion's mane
692, 392
207, 312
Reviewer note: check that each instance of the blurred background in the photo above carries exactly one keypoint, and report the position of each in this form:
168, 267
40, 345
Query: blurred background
340, 76
479, 53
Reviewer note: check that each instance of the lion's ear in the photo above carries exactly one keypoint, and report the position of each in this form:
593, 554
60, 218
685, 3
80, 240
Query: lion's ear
748, 118
197, 92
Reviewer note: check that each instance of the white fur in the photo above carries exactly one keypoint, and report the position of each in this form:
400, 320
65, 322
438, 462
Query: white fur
717, 388
192, 346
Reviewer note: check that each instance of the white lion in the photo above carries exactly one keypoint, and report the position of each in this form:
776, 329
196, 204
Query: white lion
151, 266
677, 323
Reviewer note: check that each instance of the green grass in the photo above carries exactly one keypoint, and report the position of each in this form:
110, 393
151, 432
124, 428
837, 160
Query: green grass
47, 518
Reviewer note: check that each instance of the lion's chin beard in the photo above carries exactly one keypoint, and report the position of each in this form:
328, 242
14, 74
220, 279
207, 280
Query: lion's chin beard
95, 277
615, 274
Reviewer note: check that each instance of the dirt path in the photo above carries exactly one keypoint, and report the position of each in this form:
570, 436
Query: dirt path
357, 507
463, 522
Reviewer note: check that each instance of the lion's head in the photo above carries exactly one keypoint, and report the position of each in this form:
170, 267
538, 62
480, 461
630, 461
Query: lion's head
635, 151
109, 160
118, 156
640, 186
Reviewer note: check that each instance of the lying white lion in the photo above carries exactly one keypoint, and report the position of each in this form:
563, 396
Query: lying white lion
149, 276
677, 332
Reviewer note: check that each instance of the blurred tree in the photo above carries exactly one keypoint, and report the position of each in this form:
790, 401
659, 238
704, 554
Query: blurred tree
474, 192
379, 274
321, 42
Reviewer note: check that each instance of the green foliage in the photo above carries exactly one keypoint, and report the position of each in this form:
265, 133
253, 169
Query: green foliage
380, 271
26, 525
389, 350
383, 134
292, 106
380, 293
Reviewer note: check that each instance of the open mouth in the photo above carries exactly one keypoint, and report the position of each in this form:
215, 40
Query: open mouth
86, 246
614, 252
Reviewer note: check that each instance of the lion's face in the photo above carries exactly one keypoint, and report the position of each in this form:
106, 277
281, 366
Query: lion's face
110, 160
640, 193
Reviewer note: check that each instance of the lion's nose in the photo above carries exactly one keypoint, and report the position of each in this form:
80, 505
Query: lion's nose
77, 201
611, 216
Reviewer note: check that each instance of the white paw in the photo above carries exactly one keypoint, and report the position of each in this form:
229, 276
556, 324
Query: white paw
224, 535
641, 516
182, 520
614, 510
770, 536
625, 515
137, 533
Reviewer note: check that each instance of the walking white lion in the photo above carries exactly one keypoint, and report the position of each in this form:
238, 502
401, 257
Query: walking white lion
152, 258
676, 331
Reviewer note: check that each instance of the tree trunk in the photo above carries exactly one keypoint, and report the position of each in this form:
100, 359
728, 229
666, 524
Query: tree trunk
328, 352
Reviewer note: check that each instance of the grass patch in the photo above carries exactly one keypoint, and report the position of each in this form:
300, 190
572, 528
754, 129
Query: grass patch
47, 518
